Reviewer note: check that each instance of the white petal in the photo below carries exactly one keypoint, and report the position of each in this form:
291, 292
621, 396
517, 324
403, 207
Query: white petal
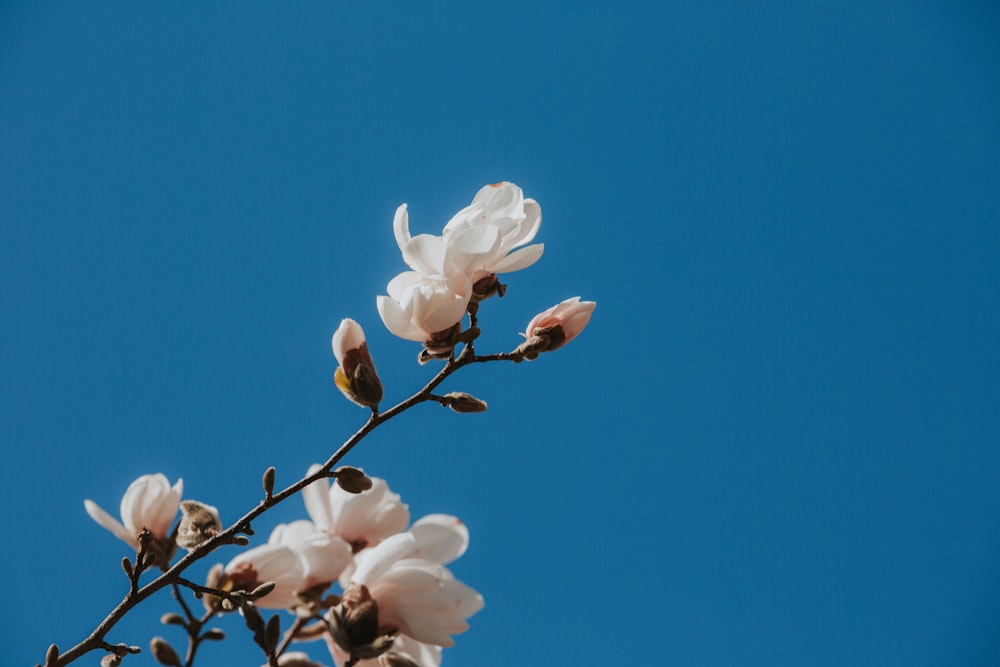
425, 254
162, 516
519, 259
397, 321
316, 498
440, 537
109, 522
325, 557
401, 226
381, 558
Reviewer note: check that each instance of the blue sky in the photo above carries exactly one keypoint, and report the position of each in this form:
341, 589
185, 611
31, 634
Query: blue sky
777, 442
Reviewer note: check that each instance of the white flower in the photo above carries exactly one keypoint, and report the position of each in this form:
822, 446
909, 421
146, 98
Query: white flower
417, 596
149, 502
497, 211
425, 308
361, 519
480, 239
296, 558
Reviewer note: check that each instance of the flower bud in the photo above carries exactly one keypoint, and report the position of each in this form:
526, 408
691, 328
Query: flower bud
164, 652
459, 401
199, 523
356, 376
352, 480
553, 328
355, 626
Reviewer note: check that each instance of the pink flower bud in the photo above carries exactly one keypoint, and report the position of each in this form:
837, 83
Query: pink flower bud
551, 329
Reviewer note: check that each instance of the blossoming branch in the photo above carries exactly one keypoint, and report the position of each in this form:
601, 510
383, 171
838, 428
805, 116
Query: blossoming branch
356, 574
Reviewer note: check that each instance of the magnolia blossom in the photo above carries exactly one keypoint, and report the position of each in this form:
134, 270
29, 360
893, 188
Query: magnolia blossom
361, 519
149, 502
297, 557
552, 328
425, 308
356, 376
416, 596
479, 240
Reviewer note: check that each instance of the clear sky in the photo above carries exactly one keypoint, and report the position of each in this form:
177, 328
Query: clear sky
778, 443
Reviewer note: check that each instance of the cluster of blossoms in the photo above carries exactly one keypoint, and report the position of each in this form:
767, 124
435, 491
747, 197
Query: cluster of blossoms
376, 588
453, 272
398, 601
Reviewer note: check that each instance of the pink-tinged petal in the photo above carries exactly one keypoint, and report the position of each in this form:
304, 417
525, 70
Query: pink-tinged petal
368, 517
108, 522
273, 562
425, 655
316, 497
402, 283
293, 534
163, 514
440, 537
468, 600
397, 321
415, 622
519, 259
325, 557
378, 560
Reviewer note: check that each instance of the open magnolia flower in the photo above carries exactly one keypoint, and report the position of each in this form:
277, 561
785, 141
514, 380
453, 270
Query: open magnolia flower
478, 241
361, 519
297, 558
426, 308
150, 502
552, 328
392, 592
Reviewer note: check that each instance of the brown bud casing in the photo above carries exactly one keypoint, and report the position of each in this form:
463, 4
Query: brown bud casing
351, 479
199, 523
164, 652
459, 401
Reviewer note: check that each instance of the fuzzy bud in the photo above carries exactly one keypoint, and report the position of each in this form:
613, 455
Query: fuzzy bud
352, 480
459, 401
173, 619
164, 652
268, 481
199, 523
354, 625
